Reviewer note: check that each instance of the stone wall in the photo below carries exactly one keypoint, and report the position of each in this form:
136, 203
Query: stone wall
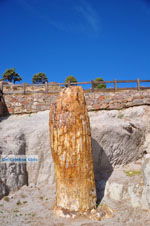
117, 100
30, 103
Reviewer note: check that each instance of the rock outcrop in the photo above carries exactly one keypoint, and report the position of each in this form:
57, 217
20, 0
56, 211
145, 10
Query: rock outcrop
112, 132
130, 185
116, 140
12, 175
72, 151
26, 135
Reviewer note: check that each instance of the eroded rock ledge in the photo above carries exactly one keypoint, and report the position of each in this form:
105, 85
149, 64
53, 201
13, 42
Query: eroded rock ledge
118, 137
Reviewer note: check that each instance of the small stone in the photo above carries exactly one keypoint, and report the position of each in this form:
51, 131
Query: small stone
31, 185
93, 211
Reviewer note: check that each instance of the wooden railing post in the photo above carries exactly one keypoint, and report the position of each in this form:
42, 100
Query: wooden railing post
69, 83
46, 87
1, 87
115, 85
138, 84
11, 85
92, 83
24, 88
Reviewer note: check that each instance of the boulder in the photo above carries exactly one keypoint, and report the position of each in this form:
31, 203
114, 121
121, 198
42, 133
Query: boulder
13, 175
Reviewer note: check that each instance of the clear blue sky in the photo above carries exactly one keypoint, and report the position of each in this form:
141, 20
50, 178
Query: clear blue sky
83, 38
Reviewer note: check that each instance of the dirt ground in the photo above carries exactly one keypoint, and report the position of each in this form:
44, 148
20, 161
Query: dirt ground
33, 205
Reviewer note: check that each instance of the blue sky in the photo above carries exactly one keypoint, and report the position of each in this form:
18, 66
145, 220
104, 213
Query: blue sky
83, 38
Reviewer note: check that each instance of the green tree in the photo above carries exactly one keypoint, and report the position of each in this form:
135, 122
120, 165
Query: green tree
99, 86
70, 79
11, 76
39, 78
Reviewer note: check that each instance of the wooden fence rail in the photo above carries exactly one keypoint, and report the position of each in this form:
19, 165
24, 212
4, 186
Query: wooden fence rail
46, 86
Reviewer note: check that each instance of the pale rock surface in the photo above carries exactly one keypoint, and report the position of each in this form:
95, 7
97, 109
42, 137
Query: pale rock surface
119, 137
12, 175
131, 190
26, 135
146, 172
112, 132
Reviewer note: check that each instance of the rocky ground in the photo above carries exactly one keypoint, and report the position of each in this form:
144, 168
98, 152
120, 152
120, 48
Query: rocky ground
121, 153
33, 205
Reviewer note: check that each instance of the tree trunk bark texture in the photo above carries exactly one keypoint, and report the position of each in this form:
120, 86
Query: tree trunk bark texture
70, 139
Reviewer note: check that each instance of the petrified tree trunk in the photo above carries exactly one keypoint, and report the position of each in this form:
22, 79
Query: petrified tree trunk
71, 150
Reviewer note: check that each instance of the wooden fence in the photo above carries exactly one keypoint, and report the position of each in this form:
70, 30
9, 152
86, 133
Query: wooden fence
6, 88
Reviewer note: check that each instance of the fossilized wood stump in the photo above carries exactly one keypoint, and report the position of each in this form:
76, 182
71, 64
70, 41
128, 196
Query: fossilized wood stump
71, 150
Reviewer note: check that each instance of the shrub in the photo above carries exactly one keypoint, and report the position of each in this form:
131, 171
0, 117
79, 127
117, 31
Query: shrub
70, 79
132, 173
99, 86
39, 78
6, 198
11, 76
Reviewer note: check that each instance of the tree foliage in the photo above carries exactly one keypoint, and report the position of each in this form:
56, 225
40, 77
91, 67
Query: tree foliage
70, 79
11, 75
39, 78
99, 86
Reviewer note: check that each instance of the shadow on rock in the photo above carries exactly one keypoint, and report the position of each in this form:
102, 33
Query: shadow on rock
102, 169
4, 190
13, 171
4, 113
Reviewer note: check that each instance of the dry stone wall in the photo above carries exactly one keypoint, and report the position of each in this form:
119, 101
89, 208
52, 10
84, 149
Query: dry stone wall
30, 103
